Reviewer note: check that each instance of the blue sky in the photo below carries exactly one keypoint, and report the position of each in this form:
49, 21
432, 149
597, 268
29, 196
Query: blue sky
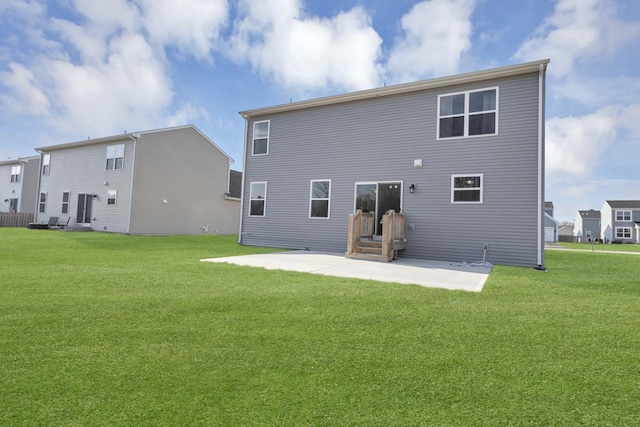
72, 69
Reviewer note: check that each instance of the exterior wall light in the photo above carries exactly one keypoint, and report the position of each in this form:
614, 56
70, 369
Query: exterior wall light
412, 188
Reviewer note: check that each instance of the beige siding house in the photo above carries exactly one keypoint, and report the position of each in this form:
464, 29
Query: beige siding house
156, 182
18, 184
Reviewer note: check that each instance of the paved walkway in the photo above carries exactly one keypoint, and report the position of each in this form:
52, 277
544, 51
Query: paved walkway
432, 274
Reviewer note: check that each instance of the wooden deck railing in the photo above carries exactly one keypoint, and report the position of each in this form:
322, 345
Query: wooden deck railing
392, 232
15, 219
361, 224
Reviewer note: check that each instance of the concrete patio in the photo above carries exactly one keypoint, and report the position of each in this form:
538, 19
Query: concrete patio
428, 273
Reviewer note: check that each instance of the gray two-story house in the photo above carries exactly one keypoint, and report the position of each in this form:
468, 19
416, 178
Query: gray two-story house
621, 221
157, 182
586, 226
550, 223
461, 157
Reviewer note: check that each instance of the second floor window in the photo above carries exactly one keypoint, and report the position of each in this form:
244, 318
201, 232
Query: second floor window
15, 173
470, 113
115, 156
46, 161
623, 215
261, 137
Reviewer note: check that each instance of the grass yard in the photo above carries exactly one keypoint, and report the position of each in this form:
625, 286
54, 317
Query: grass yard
616, 247
110, 330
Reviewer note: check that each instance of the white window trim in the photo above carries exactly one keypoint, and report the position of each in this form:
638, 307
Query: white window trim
40, 202
264, 209
46, 164
467, 114
68, 202
624, 228
253, 138
481, 188
16, 171
115, 156
622, 213
115, 197
311, 199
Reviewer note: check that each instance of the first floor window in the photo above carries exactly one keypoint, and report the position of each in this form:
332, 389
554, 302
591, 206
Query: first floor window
111, 197
115, 156
15, 173
466, 188
46, 162
261, 137
623, 232
623, 215
43, 203
320, 197
13, 205
257, 198
65, 202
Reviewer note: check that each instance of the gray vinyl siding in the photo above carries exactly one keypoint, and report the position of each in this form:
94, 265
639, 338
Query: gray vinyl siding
191, 174
377, 140
82, 170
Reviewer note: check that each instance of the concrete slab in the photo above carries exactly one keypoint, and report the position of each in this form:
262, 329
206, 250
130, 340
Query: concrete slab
428, 273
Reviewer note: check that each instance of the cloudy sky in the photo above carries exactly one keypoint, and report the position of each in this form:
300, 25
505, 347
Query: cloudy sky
72, 69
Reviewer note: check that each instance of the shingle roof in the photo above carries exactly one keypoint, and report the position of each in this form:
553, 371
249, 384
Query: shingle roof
590, 214
624, 204
548, 204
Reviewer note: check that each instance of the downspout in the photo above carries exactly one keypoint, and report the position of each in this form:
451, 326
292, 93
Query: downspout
540, 166
244, 174
134, 137
37, 207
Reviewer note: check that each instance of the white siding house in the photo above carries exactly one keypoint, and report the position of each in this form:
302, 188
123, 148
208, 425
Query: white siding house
157, 182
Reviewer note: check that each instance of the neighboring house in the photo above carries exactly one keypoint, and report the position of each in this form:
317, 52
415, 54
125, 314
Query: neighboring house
565, 232
462, 157
587, 226
157, 182
550, 223
621, 221
19, 184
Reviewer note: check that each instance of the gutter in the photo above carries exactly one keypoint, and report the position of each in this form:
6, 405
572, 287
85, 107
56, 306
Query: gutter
244, 175
134, 137
540, 166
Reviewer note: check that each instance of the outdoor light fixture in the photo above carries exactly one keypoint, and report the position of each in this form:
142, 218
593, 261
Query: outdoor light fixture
412, 188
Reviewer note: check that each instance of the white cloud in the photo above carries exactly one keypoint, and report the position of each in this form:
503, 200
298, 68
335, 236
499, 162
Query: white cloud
307, 53
577, 30
24, 96
574, 145
437, 33
193, 26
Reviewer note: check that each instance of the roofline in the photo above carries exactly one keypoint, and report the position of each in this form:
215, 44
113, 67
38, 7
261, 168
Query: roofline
18, 160
476, 76
130, 135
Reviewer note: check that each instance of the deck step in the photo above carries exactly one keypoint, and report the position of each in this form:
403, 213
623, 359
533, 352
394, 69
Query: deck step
369, 257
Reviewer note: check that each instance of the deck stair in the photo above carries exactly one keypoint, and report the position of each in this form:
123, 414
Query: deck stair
361, 244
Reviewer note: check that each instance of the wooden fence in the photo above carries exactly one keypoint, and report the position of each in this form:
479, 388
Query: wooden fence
15, 219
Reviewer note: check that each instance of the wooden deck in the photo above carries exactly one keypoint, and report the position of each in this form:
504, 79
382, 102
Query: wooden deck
361, 245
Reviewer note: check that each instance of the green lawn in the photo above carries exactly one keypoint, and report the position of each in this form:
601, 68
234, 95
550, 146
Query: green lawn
616, 247
112, 330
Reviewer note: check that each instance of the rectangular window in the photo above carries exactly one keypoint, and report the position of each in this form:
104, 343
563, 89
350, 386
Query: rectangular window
13, 205
42, 205
470, 113
115, 156
112, 196
261, 137
46, 161
15, 173
257, 198
623, 232
623, 215
466, 188
320, 195
65, 202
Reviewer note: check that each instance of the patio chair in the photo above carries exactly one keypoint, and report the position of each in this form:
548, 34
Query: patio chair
53, 221
62, 225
